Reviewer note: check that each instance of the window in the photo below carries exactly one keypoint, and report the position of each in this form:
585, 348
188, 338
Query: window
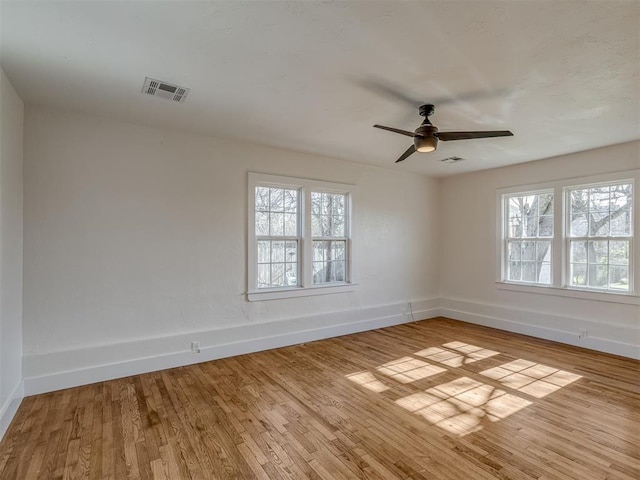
571, 235
600, 219
528, 236
299, 237
329, 237
277, 235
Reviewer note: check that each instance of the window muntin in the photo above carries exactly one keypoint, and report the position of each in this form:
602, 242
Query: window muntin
600, 234
328, 232
528, 237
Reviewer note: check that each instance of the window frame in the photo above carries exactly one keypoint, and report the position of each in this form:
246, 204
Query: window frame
567, 238
560, 270
305, 286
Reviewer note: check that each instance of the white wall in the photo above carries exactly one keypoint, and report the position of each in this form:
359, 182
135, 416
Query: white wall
468, 287
11, 124
135, 244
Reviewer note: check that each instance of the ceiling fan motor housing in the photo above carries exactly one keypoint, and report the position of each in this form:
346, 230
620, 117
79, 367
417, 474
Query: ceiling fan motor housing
425, 139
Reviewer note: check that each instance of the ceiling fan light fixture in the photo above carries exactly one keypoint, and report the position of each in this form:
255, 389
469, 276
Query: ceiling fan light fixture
425, 144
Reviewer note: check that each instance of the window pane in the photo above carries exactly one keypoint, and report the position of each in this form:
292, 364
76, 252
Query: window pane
264, 251
290, 203
578, 274
514, 273
598, 252
329, 261
515, 250
276, 200
264, 274
339, 204
291, 252
579, 201
619, 252
599, 224
262, 223
528, 251
277, 275
599, 199
337, 226
543, 251
529, 272
598, 276
318, 251
530, 216
619, 277
578, 252
277, 252
545, 204
620, 196
621, 222
545, 228
579, 225
291, 224
276, 224
291, 274
544, 275
276, 212
277, 263
327, 214
262, 198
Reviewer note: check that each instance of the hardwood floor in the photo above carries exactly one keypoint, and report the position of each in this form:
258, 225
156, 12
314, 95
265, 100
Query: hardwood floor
436, 399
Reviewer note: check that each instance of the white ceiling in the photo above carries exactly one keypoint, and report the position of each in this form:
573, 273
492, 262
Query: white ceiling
315, 76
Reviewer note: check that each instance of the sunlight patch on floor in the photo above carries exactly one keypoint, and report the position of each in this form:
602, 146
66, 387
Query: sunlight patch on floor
408, 369
463, 405
456, 354
531, 378
368, 380
460, 405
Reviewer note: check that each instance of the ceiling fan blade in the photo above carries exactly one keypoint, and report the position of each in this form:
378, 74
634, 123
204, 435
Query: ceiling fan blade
392, 91
396, 130
446, 136
406, 154
386, 89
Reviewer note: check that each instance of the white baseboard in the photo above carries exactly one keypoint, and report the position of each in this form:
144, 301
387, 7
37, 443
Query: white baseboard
10, 407
537, 324
58, 370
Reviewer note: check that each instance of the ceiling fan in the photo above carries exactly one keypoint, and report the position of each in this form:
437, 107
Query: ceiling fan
426, 136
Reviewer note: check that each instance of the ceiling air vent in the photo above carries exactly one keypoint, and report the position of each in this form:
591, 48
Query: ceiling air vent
452, 160
166, 90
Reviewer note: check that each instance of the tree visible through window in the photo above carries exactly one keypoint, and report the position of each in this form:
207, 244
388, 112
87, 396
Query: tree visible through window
299, 237
277, 236
329, 236
529, 231
591, 246
600, 236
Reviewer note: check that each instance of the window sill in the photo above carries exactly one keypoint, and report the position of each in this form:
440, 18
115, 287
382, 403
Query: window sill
292, 292
613, 297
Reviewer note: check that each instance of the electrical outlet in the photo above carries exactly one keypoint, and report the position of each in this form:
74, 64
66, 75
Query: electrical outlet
195, 347
583, 333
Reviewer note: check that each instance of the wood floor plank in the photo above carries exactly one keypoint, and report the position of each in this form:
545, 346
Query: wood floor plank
435, 399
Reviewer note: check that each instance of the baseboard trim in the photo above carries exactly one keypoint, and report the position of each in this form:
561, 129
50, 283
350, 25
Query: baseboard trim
10, 407
56, 371
59, 370
500, 317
